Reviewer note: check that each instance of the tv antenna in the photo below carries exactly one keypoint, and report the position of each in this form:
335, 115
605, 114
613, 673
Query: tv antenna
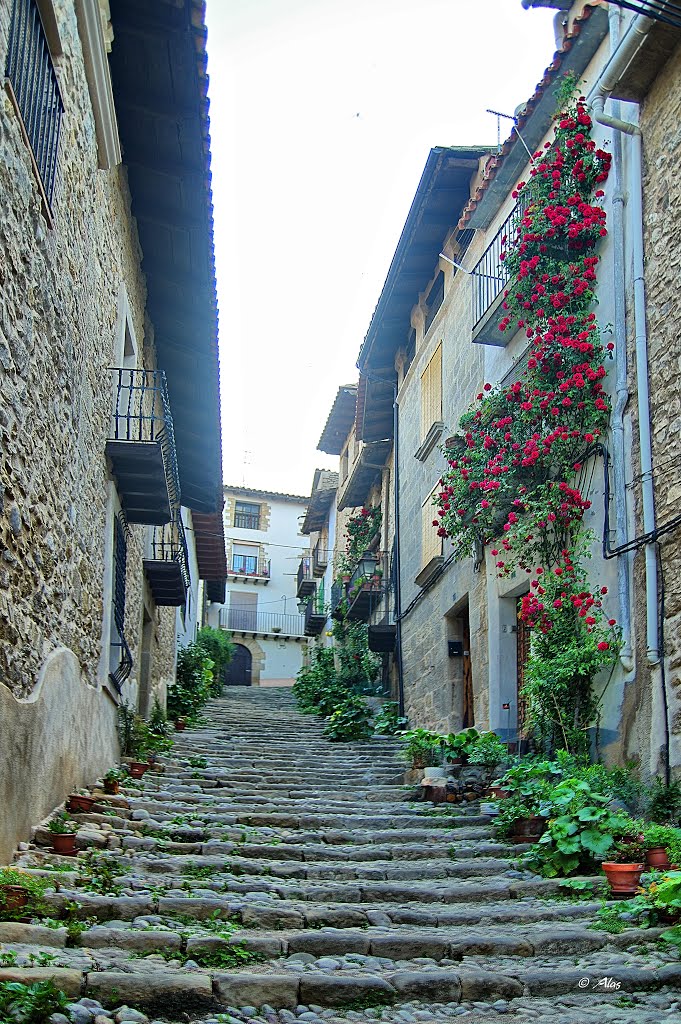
508, 117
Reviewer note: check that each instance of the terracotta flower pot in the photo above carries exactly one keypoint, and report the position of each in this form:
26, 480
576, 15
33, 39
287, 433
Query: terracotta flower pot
498, 792
623, 879
180, 725
138, 768
112, 786
15, 898
64, 843
657, 857
528, 830
80, 804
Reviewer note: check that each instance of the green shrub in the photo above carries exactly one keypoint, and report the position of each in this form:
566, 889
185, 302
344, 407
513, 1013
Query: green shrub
216, 645
193, 680
30, 1004
317, 687
423, 748
388, 721
350, 720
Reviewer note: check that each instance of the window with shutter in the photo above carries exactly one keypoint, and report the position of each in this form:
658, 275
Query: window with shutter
431, 544
431, 392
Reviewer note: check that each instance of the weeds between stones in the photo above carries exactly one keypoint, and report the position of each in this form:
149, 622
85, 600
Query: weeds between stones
30, 1004
236, 955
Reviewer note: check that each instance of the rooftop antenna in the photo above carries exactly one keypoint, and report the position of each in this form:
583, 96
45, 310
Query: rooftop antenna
247, 461
508, 117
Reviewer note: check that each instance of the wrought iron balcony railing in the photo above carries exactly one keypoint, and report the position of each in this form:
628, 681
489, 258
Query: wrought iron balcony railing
247, 620
142, 449
168, 567
305, 583
250, 565
32, 77
320, 559
490, 273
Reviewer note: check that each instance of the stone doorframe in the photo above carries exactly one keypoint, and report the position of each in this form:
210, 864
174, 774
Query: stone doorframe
257, 655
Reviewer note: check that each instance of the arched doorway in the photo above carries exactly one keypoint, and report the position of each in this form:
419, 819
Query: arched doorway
239, 669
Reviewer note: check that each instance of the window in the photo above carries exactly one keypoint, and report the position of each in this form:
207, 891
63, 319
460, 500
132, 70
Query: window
243, 611
35, 91
431, 544
247, 515
431, 393
245, 558
434, 301
344, 462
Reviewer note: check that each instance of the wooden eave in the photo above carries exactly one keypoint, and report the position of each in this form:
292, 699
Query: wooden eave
158, 70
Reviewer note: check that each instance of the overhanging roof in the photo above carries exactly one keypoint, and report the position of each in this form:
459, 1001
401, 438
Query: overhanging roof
209, 540
443, 191
324, 489
340, 420
158, 69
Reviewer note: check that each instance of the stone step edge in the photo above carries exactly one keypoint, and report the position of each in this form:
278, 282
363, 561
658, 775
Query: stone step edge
176, 991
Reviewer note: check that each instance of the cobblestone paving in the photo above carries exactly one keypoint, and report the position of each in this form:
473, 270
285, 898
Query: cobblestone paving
268, 875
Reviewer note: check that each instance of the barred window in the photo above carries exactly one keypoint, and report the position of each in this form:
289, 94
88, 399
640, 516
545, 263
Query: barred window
35, 90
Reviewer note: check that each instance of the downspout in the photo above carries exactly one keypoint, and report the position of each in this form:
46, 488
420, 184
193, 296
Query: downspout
398, 575
608, 79
621, 390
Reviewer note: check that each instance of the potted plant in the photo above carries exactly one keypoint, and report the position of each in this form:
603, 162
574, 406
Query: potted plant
138, 768
460, 745
488, 752
662, 845
63, 834
20, 894
424, 748
625, 867
180, 724
80, 802
112, 781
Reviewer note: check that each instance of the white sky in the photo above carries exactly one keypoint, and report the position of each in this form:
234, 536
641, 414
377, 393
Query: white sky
322, 116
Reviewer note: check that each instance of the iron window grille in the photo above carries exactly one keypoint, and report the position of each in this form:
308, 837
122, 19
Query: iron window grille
169, 544
124, 668
31, 74
246, 516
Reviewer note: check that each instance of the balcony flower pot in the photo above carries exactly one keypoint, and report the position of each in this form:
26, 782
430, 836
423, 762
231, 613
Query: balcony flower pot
623, 879
78, 804
138, 768
64, 843
14, 898
276, 629
528, 830
658, 858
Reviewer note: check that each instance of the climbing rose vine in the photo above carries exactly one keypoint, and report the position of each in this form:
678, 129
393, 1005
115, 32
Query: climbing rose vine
513, 466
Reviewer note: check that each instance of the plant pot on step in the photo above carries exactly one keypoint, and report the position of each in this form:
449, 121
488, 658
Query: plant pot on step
498, 792
623, 879
658, 858
138, 768
64, 843
78, 804
528, 830
180, 725
14, 898
111, 786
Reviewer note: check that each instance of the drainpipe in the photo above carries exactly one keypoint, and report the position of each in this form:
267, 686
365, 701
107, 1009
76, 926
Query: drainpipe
608, 79
621, 390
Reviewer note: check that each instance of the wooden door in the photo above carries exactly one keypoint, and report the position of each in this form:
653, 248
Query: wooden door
468, 710
522, 658
239, 669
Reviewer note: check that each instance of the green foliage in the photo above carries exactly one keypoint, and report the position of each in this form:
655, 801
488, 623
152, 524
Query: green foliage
488, 752
361, 529
664, 803
423, 748
317, 686
664, 836
193, 681
30, 1004
359, 668
61, 825
609, 919
218, 646
350, 720
33, 885
460, 744
100, 872
387, 721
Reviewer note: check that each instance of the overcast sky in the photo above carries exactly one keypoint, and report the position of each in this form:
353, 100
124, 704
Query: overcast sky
322, 116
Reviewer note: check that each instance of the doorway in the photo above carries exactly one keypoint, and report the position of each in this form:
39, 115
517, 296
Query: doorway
468, 708
144, 697
239, 669
522, 659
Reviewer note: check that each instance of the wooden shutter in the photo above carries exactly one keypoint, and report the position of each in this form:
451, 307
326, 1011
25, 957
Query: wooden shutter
431, 392
431, 544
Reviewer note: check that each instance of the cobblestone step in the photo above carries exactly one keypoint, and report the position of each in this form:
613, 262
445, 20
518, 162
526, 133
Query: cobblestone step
292, 879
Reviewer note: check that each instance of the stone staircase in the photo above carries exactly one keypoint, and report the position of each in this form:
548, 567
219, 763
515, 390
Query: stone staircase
270, 875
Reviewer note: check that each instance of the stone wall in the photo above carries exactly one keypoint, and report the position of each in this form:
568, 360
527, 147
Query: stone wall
60, 331
661, 130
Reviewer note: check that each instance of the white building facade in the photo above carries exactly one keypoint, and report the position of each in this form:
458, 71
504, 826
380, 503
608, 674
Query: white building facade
264, 549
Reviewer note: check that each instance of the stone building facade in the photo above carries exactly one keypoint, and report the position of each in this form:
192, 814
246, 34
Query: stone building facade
74, 304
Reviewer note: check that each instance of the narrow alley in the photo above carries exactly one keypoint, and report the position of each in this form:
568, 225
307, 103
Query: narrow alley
268, 874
